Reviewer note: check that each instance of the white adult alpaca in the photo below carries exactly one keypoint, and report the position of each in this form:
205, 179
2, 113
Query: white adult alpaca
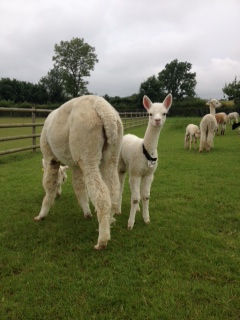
139, 157
85, 133
208, 126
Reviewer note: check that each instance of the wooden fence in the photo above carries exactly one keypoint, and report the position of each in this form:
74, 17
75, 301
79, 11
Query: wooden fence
129, 119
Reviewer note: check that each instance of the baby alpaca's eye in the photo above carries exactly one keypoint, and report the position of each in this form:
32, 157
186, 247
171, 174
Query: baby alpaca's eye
164, 114
150, 114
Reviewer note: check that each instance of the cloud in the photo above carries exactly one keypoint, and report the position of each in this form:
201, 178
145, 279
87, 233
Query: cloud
133, 40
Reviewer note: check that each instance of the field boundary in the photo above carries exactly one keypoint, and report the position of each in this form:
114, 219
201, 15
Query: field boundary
129, 119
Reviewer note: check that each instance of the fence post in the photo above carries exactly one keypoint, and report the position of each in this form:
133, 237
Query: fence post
34, 128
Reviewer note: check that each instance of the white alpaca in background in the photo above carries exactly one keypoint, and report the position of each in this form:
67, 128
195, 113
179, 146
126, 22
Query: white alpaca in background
139, 157
208, 126
233, 116
85, 133
191, 135
62, 177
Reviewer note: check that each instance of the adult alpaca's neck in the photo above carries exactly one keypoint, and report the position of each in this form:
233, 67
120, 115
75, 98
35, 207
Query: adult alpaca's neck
151, 137
212, 110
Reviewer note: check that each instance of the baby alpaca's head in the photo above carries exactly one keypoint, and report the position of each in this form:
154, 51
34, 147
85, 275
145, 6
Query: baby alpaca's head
157, 111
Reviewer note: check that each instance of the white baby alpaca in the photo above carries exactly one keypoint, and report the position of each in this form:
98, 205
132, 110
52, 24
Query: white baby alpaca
191, 135
139, 157
62, 177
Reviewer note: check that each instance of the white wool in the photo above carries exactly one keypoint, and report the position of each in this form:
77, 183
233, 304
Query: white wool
208, 126
134, 161
85, 133
191, 135
233, 116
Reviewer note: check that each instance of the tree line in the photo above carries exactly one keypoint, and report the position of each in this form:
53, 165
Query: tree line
73, 62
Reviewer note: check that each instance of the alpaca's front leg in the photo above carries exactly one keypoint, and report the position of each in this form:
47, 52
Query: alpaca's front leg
50, 180
145, 195
134, 183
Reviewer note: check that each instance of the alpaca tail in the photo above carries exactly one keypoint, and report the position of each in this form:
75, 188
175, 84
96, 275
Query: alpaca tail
110, 118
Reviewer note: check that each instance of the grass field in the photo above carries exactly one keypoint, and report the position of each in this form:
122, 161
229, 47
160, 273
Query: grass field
184, 265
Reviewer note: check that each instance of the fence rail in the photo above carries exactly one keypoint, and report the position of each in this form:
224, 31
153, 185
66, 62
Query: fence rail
129, 119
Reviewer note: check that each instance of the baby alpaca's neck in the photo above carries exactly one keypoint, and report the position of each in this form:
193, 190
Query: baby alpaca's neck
151, 137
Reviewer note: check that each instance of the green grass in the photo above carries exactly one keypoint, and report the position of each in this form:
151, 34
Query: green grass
184, 265
8, 132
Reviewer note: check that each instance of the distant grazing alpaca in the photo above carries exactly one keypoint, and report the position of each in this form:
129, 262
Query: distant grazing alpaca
208, 126
191, 135
85, 133
221, 118
233, 116
139, 157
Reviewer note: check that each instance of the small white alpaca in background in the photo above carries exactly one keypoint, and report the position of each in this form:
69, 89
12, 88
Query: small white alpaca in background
139, 157
191, 135
233, 116
62, 177
208, 126
85, 133
221, 118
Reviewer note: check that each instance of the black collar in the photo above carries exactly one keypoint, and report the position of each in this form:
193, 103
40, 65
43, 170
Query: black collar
147, 155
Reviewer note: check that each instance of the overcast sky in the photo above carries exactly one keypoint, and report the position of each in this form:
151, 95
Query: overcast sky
133, 40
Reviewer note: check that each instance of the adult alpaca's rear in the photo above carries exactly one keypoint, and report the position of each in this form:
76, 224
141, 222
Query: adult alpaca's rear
85, 133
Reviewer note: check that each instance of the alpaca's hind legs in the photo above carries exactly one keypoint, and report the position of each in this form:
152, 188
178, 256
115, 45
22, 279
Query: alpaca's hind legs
50, 180
134, 183
100, 197
145, 195
81, 192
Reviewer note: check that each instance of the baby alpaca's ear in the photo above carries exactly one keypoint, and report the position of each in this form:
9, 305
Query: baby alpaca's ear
147, 103
168, 101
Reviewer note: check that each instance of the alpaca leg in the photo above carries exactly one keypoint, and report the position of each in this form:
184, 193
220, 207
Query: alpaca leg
81, 192
190, 143
100, 196
50, 180
109, 171
186, 141
145, 194
121, 174
202, 141
134, 183
209, 142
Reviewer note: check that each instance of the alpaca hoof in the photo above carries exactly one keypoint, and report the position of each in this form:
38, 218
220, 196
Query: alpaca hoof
130, 227
37, 218
100, 246
88, 215
147, 222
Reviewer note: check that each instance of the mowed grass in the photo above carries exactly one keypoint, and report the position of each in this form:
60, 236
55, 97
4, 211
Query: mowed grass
184, 265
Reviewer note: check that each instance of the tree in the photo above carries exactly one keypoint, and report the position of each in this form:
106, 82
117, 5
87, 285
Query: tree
21, 91
75, 59
54, 86
177, 79
232, 90
151, 88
